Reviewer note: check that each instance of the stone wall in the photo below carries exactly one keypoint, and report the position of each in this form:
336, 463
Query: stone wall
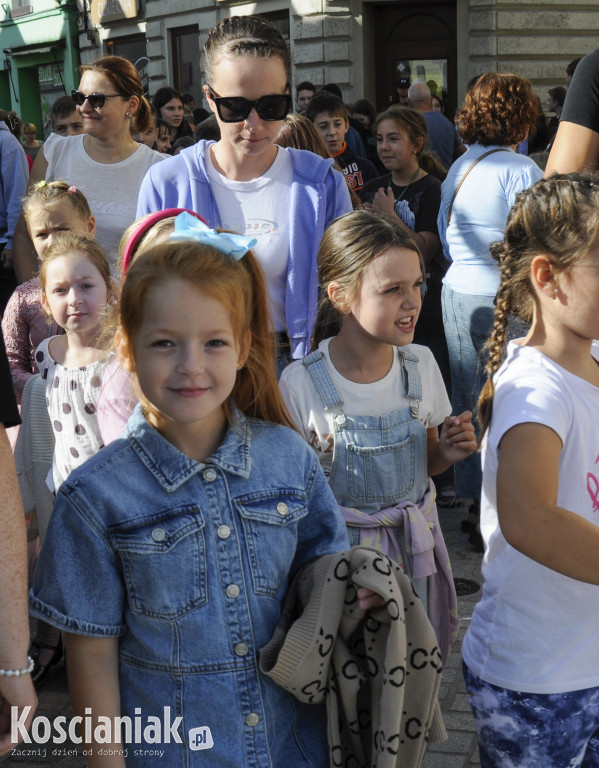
534, 38
331, 40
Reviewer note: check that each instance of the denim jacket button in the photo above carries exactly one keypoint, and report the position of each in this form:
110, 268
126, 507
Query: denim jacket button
282, 508
242, 649
158, 534
233, 590
340, 420
209, 475
252, 719
223, 532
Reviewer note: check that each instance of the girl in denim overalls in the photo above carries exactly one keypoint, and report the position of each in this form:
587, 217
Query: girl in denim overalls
176, 543
371, 406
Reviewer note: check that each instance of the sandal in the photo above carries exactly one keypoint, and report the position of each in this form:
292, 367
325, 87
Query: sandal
41, 672
447, 497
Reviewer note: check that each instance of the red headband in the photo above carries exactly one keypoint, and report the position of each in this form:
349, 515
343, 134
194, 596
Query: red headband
145, 226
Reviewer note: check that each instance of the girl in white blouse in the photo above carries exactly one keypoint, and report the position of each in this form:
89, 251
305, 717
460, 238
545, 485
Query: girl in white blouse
76, 291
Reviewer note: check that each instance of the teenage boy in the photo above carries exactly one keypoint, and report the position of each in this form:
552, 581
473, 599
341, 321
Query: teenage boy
65, 119
329, 115
304, 92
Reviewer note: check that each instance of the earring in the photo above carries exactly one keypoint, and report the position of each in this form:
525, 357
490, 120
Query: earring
556, 291
129, 116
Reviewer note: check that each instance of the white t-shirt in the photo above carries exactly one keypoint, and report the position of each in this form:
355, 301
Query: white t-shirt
376, 399
535, 630
110, 188
260, 208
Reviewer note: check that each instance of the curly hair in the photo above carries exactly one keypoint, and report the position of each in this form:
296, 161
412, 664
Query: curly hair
498, 109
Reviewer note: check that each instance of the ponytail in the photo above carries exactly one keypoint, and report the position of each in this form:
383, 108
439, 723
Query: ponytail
142, 119
430, 164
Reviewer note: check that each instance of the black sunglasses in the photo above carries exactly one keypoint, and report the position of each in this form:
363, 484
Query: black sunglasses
95, 100
236, 109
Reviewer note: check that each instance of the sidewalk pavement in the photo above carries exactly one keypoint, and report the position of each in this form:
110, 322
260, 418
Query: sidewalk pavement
459, 751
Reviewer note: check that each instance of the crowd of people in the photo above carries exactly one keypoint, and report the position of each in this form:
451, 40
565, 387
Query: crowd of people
244, 349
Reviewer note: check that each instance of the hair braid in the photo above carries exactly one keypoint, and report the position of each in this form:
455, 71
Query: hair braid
498, 340
558, 218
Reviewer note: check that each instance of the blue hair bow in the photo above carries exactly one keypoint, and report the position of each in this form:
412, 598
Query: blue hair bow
187, 227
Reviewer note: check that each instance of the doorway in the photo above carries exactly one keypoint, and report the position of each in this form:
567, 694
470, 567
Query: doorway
416, 41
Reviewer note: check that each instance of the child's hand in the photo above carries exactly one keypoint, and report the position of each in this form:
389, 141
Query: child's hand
457, 439
383, 202
369, 599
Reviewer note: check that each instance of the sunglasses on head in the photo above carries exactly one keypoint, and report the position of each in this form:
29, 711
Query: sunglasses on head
236, 109
95, 100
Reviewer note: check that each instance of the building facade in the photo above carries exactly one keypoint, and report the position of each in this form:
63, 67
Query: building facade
365, 46
39, 56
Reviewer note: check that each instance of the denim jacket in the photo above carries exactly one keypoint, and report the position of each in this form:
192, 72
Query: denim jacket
188, 563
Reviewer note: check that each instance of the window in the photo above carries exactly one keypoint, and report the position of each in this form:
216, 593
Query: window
433, 72
187, 74
132, 48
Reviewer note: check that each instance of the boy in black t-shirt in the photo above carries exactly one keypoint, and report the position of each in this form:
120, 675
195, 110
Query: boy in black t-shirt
329, 115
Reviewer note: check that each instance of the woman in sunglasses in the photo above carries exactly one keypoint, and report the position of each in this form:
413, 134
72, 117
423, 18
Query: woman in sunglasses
105, 162
244, 182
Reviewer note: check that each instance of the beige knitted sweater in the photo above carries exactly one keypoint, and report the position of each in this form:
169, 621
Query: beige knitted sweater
378, 671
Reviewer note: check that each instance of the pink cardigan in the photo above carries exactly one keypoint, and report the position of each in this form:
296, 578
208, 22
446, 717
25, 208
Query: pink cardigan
25, 325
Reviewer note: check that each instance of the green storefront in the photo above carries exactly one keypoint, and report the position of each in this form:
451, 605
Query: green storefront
38, 58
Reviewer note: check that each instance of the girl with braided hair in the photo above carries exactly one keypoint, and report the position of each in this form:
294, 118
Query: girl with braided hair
531, 656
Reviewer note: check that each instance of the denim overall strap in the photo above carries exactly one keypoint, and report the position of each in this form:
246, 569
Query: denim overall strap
323, 382
411, 379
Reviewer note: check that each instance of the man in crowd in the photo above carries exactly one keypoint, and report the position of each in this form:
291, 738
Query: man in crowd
442, 135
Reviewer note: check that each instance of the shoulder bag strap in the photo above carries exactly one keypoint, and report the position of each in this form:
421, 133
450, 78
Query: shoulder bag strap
476, 162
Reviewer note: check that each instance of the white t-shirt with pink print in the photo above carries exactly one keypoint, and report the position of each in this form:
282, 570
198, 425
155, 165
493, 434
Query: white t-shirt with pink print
535, 630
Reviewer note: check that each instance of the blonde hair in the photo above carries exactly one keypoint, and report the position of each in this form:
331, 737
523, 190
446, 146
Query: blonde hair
346, 249
155, 234
558, 218
45, 194
240, 287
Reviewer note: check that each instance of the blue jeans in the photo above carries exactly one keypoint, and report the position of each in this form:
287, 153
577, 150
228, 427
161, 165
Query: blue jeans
534, 730
468, 322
